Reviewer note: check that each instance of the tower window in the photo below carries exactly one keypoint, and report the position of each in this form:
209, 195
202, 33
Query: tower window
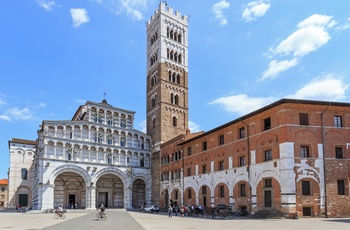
174, 121
305, 188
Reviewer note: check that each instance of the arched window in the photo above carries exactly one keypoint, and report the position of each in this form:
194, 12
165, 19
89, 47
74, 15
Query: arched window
154, 122
167, 53
178, 78
142, 162
179, 59
175, 57
171, 35
24, 174
179, 38
173, 77
169, 75
174, 121
176, 99
122, 141
172, 99
167, 32
175, 36
153, 101
109, 159
171, 55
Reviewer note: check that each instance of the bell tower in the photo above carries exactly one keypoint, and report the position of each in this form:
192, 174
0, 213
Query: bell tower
167, 75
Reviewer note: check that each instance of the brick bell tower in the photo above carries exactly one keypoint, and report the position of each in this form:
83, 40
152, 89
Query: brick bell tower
166, 82
167, 75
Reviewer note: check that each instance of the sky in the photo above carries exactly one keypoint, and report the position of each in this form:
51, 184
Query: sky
243, 54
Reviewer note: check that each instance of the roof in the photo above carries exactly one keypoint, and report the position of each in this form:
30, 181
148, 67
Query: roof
104, 104
4, 182
23, 141
270, 106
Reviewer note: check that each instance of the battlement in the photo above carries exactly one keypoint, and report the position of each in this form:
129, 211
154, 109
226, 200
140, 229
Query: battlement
168, 11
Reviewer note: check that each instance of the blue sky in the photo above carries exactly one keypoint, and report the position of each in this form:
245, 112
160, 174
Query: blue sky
57, 54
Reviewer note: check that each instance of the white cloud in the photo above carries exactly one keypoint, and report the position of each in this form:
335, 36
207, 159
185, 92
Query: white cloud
79, 16
46, 4
310, 36
345, 26
19, 114
254, 10
329, 88
275, 67
133, 8
242, 104
194, 127
218, 8
143, 126
5, 118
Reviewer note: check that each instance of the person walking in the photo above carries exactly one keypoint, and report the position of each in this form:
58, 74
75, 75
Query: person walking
170, 211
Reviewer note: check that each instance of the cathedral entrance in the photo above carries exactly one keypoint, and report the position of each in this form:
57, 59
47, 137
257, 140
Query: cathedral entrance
138, 193
70, 191
110, 191
102, 198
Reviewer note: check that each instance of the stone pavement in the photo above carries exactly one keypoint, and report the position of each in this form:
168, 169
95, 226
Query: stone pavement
135, 220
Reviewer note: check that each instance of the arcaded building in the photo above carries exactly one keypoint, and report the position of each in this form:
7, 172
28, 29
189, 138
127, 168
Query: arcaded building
291, 156
97, 157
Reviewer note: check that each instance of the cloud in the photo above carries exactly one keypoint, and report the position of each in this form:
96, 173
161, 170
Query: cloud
329, 88
241, 104
79, 16
46, 4
345, 26
254, 10
18, 114
218, 8
143, 126
275, 67
5, 118
194, 127
133, 8
309, 37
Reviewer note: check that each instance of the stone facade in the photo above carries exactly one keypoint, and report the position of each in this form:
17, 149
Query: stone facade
97, 157
291, 156
20, 172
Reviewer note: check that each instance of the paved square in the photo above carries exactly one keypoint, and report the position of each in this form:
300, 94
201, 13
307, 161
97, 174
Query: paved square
135, 220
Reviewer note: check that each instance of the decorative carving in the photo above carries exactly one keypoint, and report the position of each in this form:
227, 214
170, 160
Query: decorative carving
129, 171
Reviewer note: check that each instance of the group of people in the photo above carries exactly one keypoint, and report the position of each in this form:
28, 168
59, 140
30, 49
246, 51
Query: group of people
176, 209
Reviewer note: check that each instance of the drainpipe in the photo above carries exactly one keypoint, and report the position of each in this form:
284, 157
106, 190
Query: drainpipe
324, 162
248, 163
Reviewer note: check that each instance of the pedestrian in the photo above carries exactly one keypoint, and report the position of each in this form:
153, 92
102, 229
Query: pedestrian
176, 209
170, 210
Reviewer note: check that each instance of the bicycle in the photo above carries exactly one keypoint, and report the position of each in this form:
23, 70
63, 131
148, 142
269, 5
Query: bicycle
101, 216
59, 215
